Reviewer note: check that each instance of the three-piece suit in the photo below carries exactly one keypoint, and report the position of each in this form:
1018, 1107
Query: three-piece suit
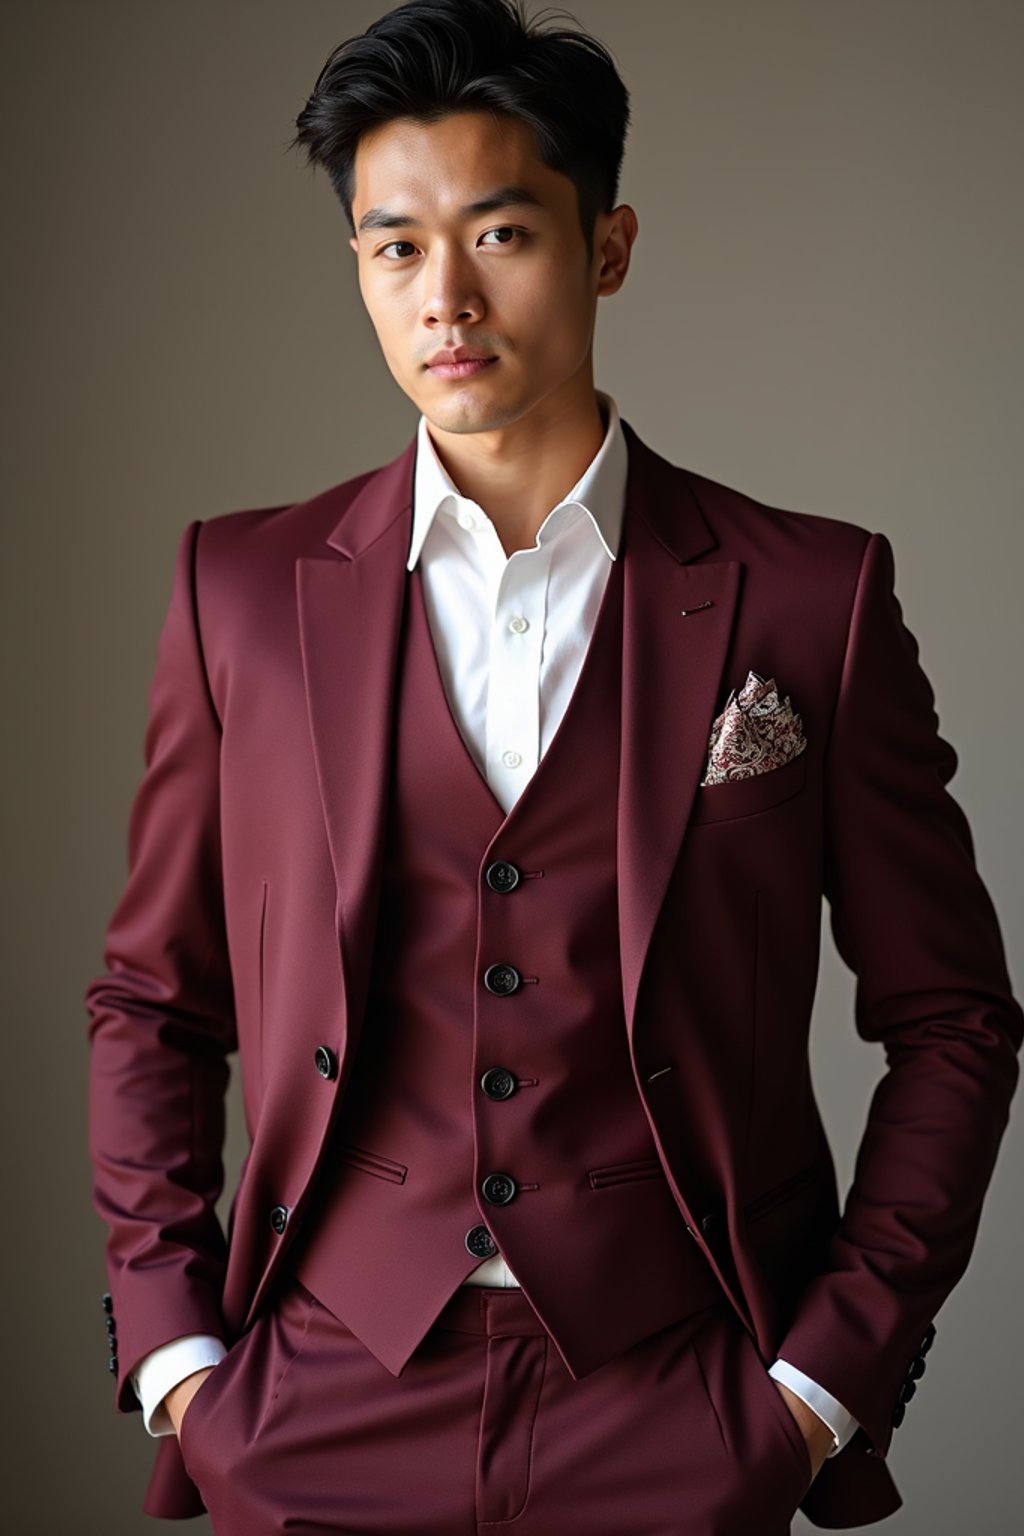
574, 1033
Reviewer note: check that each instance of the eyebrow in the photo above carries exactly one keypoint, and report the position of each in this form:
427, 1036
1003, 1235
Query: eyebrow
502, 197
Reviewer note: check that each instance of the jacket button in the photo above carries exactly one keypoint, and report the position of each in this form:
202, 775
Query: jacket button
498, 1083
907, 1391
501, 979
917, 1368
107, 1301
498, 1188
111, 1326
502, 876
480, 1242
326, 1062
709, 1224
279, 1218
112, 1365
926, 1343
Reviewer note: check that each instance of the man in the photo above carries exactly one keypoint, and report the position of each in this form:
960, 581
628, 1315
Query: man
490, 799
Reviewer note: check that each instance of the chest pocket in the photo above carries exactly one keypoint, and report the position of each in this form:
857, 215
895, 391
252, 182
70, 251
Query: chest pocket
746, 797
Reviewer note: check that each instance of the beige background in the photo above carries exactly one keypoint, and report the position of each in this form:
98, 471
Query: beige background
824, 310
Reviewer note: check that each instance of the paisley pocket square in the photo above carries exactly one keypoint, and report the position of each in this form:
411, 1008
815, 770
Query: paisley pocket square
756, 732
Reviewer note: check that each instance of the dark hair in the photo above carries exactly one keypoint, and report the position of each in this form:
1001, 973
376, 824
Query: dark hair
429, 58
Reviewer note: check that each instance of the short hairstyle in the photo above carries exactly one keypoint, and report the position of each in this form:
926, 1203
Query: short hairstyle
429, 58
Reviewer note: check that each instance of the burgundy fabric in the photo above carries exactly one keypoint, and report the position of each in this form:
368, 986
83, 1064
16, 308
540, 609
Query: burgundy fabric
249, 917
302, 1430
384, 1244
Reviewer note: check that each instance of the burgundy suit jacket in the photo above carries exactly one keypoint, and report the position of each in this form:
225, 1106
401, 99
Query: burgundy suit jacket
268, 733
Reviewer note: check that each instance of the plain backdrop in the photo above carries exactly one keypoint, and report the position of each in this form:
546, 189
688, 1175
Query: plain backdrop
824, 310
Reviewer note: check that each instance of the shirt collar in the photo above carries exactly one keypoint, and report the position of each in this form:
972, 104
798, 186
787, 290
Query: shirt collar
600, 492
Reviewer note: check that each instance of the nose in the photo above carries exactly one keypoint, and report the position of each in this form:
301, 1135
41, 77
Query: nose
450, 293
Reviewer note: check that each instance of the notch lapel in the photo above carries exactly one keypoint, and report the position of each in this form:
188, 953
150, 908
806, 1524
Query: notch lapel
671, 675
350, 600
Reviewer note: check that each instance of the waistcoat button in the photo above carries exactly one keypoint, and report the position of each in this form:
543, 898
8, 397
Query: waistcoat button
498, 1083
480, 1242
498, 1188
502, 979
279, 1218
502, 876
326, 1062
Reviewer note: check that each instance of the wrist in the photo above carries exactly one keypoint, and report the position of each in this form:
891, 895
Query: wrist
178, 1398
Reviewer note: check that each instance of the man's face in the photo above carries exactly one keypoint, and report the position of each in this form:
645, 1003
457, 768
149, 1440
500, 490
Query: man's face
466, 239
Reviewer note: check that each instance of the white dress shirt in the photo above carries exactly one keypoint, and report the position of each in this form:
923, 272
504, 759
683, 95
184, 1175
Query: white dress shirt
510, 633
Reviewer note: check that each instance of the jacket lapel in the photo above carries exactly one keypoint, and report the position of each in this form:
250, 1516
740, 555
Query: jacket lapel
671, 675
350, 603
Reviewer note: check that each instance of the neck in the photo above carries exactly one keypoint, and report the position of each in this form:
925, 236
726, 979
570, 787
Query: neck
519, 472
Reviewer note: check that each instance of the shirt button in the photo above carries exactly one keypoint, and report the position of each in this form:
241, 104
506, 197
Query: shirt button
467, 520
511, 759
518, 625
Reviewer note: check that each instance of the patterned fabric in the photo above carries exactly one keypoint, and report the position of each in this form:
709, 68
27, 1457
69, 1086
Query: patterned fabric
755, 732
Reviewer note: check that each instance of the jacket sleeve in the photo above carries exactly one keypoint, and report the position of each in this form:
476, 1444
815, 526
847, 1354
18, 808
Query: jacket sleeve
914, 922
162, 1019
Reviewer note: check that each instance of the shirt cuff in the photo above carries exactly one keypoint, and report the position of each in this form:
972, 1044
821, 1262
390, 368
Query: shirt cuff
842, 1423
163, 1368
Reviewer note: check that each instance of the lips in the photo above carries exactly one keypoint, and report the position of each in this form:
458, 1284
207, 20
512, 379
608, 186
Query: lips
463, 370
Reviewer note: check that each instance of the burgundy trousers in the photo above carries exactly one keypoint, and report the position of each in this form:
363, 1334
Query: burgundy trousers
300, 1429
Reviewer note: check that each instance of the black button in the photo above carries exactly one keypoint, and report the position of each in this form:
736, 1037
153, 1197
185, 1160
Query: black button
501, 979
480, 1242
926, 1342
108, 1302
502, 876
709, 1223
112, 1365
498, 1083
279, 1218
907, 1391
111, 1325
326, 1062
498, 1188
917, 1368
898, 1414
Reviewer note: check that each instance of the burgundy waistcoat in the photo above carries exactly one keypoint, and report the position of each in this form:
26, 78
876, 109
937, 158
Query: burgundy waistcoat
492, 1104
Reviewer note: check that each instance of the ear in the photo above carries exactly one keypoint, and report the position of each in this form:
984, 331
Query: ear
614, 235
354, 243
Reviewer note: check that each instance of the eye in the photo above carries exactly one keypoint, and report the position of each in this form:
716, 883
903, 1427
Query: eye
393, 245
505, 230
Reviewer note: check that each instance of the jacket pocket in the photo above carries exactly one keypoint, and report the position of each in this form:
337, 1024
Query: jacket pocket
372, 1162
780, 1193
745, 797
624, 1173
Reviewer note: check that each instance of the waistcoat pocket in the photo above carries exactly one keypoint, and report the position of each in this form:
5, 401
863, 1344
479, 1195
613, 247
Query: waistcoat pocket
372, 1162
624, 1173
